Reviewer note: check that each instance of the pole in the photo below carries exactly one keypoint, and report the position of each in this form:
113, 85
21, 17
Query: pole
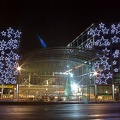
2, 91
17, 88
17, 92
113, 92
18, 82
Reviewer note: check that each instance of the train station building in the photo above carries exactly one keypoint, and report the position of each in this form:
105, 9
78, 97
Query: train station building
85, 69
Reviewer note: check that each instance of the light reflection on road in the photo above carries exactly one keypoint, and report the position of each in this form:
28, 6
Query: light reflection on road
60, 112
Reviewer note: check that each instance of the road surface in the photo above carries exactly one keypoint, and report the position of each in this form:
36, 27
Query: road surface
102, 111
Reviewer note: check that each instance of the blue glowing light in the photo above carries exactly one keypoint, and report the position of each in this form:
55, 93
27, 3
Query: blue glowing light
42, 42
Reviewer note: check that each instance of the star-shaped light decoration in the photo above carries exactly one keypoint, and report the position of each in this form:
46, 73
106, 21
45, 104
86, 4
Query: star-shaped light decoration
118, 27
1, 65
16, 57
105, 30
104, 59
109, 75
107, 67
3, 33
89, 45
101, 25
6, 80
113, 29
2, 44
91, 32
3, 73
11, 55
97, 42
107, 43
102, 79
96, 65
9, 44
13, 80
113, 26
2, 58
116, 53
106, 51
8, 62
115, 70
10, 30
97, 81
102, 42
9, 35
17, 34
115, 39
15, 46
97, 32
2, 52
114, 62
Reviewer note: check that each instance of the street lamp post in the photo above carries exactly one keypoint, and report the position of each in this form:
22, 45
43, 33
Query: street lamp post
18, 82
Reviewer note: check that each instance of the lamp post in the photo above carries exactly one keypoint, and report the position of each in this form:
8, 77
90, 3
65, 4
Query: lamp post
18, 82
95, 91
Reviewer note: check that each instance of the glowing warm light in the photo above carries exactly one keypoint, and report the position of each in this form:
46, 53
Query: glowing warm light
19, 68
95, 73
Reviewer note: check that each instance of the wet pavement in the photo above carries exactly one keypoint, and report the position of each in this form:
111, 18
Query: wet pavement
59, 111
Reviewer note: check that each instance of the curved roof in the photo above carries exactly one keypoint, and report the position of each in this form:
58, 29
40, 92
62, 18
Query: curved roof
63, 53
44, 62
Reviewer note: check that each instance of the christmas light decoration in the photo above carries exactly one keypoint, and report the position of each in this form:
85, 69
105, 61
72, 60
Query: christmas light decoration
9, 46
105, 30
101, 25
105, 37
116, 53
114, 62
115, 39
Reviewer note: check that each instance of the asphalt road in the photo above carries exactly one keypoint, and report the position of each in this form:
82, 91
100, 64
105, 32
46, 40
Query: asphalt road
102, 111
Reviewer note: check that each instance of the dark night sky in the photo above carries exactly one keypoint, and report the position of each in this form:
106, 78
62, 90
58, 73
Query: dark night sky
57, 22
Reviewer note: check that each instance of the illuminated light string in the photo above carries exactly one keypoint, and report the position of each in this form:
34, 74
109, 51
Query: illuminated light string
9, 41
104, 42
